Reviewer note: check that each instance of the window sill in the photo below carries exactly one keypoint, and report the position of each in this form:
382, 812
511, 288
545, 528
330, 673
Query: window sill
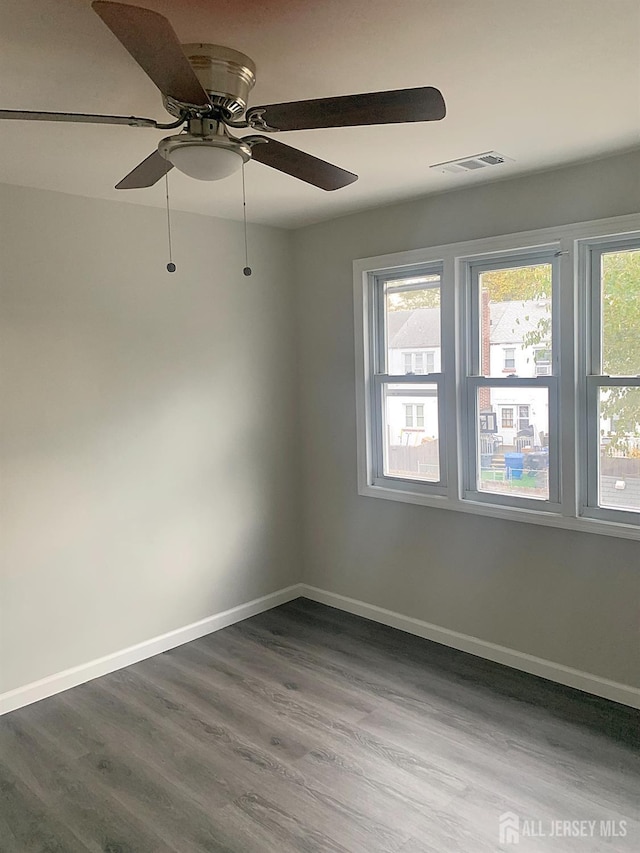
528, 516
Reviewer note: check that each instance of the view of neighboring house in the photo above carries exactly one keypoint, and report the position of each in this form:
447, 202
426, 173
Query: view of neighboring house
414, 348
513, 424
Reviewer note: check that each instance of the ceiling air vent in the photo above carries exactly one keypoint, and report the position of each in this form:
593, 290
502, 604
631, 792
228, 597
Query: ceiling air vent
472, 164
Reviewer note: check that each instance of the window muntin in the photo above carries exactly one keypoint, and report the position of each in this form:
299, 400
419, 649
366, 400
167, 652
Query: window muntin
507, 416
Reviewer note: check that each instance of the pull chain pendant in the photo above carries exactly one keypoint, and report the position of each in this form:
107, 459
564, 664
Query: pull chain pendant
171, 267
247, 268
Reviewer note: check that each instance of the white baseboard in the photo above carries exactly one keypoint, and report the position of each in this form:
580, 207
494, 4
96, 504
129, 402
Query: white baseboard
623, 693
53, 684
21, 696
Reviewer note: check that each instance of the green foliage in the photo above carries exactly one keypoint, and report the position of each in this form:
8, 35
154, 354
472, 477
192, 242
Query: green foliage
522, 283
411, 299
620, 323
621, 340
621, 313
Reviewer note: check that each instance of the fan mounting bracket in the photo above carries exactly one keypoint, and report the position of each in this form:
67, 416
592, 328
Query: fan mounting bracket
255, 119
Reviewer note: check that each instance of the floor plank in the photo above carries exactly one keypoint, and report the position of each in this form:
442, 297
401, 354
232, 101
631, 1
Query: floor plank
309, 730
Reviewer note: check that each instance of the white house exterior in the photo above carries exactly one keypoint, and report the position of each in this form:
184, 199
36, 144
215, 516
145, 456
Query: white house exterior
414, 348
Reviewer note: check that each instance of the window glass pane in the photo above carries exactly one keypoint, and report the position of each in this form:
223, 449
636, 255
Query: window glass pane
619, 474
515, 319
620, 276
510, 358
412, 322
513, 454
411, 451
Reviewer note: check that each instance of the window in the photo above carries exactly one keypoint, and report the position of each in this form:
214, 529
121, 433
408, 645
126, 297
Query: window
613, 383
501, 376
523, 418
407, 411
510, 299
414, 415
419, 362
510, 359
413, 362
542, 361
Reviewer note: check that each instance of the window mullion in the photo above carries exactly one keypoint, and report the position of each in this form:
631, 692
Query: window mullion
565, 360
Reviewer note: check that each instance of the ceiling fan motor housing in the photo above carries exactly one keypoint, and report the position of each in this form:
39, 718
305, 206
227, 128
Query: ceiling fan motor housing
225, 74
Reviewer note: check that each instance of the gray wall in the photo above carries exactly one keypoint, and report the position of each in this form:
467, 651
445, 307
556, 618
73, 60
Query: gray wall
565, 596
153, 461
148, 426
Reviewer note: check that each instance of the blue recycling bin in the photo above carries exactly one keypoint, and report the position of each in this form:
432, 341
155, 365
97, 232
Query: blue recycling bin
514, 463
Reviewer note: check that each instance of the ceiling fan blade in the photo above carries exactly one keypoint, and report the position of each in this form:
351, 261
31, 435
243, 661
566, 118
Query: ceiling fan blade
152, 42
146, 174
403, 105
30, 115
298, 164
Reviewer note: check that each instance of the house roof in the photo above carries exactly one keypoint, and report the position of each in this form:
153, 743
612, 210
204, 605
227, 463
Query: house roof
417, 328
510, 322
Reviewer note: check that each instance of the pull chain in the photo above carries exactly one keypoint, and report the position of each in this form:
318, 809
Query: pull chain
171, 267
247, 268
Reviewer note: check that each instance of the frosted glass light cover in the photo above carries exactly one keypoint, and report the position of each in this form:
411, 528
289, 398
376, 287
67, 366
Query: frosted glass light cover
204, 162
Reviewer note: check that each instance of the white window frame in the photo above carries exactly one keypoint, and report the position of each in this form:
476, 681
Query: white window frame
522, 417
416, 359
591, 254
378, 378
412, 413
545, 364
512, 358
472, 269
571, 342
511, 409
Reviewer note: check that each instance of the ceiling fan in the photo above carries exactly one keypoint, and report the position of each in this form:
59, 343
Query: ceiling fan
206, 87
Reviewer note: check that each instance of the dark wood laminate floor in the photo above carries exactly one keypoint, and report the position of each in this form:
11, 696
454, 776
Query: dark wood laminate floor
307, 730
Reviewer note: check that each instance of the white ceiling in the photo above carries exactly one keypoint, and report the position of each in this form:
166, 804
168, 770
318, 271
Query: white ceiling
546, 82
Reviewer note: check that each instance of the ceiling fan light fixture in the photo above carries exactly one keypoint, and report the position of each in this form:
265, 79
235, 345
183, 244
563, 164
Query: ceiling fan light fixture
205, 159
